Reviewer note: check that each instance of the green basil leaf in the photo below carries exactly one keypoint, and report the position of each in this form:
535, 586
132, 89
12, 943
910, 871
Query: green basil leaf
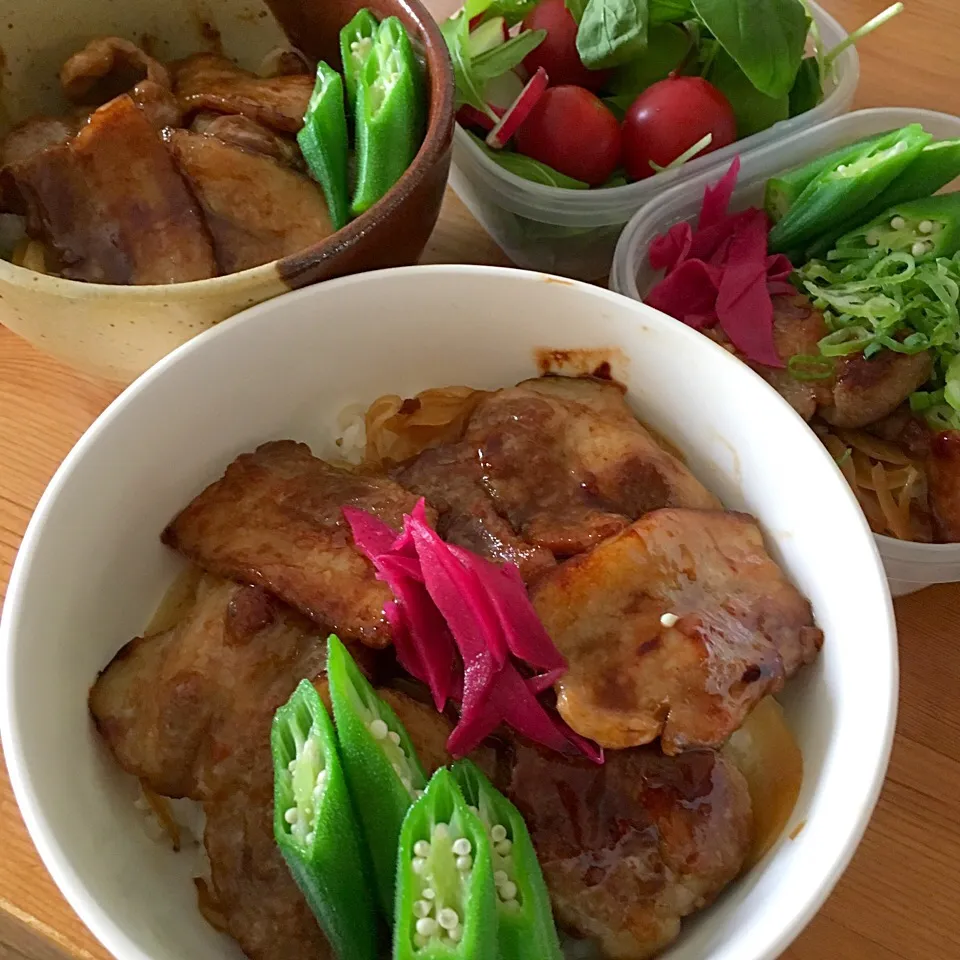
530, 169
612, 32
667, 48
807, 89
670, 11
755, 111
576, 8
496, 62
765, 37
456, 33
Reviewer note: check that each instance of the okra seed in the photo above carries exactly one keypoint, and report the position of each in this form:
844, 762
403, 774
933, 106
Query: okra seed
842, 168
504, 847
422, 908
428, 893
394, 737
417, 794
464, 863
309, 838
448, 918
418, 864
872, 240
292, 765
925, 226
421, 849
462, 847
898, 223
919, 248
498, 833
441, 831
291, 815
420, 940
456, 934
508, 890
473, 810
426, 926
379, 729
500, 877
405, 781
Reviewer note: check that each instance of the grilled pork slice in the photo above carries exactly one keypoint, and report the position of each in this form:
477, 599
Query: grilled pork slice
675, 628
257, 208
275, 519
568, 464
111, 205
107, 67
176, 708
548, 469
943, 474
206, 81
630, 848
451, 479
244, 132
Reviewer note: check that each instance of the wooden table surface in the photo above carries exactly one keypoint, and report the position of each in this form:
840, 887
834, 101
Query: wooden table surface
901, 896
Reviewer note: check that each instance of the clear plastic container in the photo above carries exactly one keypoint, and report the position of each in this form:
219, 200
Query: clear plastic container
574, 232
909, 566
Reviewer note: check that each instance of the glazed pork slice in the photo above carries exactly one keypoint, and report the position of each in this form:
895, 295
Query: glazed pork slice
177, 707
943, 474
111, 205
243, 132
450, 477
275, 519
630, 848
107, 67
207, 81
676, 628
567, 463
256, 208
188, 711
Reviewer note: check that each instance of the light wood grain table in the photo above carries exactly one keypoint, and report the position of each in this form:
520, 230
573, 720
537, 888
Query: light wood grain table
901, 896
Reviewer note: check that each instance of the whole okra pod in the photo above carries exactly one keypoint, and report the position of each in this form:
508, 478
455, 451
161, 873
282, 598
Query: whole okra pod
525, 919
324, 143
381, 765
446, 905
389, 115
840, 191
315, 828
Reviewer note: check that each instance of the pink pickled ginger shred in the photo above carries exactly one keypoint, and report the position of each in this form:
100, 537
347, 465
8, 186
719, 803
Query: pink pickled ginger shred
720, 273
466, 628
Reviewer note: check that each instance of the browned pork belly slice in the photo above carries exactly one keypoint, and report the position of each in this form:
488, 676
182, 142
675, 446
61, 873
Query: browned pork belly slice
675, 628
256, 208
630, 848
243, 132
943, 473
568, 464
176, 708
111, 205
206, 81
107, 67
275, 519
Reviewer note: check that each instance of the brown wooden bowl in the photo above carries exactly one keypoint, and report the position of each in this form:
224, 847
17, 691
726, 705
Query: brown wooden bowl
117, 332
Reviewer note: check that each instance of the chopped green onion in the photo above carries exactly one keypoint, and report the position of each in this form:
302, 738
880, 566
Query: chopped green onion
806, 367
687, 155
844, 457
845, 341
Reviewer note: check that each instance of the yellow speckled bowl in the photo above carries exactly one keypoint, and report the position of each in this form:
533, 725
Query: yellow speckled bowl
117, 332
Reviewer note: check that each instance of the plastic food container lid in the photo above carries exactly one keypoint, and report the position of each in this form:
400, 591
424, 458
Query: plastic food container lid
909, 566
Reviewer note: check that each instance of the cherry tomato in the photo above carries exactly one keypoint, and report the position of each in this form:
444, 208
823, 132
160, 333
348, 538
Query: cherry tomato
668, 118
572, 131
557, 53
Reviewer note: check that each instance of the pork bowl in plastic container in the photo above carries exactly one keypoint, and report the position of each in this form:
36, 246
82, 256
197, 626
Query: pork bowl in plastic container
574, 232
274, 375
910, 565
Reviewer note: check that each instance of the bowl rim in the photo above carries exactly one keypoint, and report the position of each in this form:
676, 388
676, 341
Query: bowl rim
98, 919
437, 141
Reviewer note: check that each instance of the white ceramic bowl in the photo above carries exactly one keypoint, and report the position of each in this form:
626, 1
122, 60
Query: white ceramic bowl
910, 566
91, 568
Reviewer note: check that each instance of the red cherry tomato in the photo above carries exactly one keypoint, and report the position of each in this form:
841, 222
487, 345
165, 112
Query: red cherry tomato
668, 118
557, 53
572, 131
